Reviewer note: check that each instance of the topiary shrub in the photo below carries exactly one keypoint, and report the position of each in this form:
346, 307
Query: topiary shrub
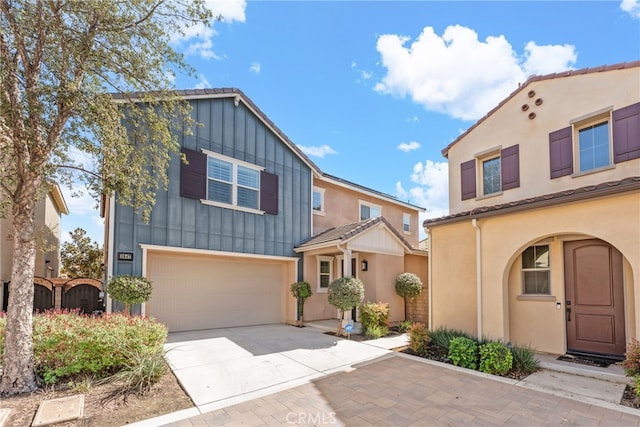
345, 293
374, 314
129, 290
408, 286
301, 291
495, 358
463, 352
418, 338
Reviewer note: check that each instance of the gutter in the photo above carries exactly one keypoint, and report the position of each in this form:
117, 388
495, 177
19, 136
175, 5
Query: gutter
474, 222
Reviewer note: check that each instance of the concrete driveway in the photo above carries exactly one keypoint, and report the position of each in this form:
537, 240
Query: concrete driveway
220, 367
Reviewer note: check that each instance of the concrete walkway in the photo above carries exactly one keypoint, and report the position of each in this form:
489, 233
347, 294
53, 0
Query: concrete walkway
306, 380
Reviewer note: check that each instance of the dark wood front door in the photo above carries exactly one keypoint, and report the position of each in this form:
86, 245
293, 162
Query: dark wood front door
594, 298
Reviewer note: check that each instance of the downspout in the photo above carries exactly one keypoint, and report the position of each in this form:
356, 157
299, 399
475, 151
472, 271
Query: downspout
111, 250
474, 222
429, 280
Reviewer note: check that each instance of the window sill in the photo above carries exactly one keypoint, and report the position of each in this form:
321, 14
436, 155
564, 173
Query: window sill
532, 297
320, 213
407, 233
590, 171
232, 207
488, 196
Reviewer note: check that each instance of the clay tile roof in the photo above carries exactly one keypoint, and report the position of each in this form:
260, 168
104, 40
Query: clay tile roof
345, 232
537, 78
582, 193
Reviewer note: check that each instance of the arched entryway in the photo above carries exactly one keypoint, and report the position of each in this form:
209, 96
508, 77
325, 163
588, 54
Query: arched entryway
82, 294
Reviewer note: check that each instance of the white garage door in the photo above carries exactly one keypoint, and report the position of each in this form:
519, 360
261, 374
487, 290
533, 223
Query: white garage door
193, 292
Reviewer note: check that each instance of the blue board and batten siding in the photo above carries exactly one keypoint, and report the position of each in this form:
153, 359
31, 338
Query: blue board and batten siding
187, 223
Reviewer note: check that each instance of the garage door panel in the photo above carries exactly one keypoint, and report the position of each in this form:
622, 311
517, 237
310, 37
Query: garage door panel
194, 292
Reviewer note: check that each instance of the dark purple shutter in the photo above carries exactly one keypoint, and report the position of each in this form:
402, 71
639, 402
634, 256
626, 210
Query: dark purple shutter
193, 177
468, 179
510, 164
269, 193
561, 152
626, 133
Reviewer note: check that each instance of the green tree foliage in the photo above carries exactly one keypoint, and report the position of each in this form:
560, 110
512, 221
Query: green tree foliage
81, 257
129, 290
61, 62
301, 291
345, 293
408, 286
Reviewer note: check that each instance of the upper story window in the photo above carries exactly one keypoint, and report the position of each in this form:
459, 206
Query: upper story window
406, 222
368, 210
317, 202
491, 176
536, 270
233, 183
498, 170
593, 146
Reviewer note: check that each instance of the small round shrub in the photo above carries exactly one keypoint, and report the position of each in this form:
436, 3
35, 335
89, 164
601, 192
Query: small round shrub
408, 285
301, 291
495, 358
418, 338
345, 293
463, 352
129, 289
374, 314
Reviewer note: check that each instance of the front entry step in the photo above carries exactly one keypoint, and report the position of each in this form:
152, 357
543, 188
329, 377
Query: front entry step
613, 373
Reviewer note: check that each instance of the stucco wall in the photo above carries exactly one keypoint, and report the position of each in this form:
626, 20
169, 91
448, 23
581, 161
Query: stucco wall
613, 219
342, 207
564, 100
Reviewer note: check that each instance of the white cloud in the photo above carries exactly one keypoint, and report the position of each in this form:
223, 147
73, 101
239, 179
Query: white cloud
255, 68
632, 7
408, 146
78, 200
458, 74
414, 119
430, 188
198, 39
366, 75
202, 83
320, 151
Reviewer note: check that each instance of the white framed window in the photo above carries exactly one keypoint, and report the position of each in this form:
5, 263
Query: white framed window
536, 271
232, 183
325, 273
406, 223
369, 210
594, 147
317, 201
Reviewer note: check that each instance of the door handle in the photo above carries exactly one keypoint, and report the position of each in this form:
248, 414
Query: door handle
568, 309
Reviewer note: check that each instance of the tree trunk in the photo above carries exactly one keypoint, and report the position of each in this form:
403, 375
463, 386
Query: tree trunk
18, 374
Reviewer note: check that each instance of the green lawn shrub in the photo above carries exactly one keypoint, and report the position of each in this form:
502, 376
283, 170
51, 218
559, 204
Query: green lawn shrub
404, 326
524, 359
441, 337
495, 358
376, 331
68, 344
463, 352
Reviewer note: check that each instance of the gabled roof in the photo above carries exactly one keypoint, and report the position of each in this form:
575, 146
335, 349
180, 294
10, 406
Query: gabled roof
582, 193
238, 96
533, 79
344, 233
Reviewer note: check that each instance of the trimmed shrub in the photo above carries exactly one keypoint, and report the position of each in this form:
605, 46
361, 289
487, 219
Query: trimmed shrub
67, 344
408, 285
418, 338
631, 363
524, 359
404, 326
463, 352
129, 290
376, 331
374, 314
495, 358
345, 293
441, 337
301, 291
143, 368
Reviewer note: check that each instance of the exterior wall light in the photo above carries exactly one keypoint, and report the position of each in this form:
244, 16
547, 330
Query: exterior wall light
364, 265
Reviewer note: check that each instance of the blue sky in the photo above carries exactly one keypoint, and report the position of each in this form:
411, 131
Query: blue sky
373, 90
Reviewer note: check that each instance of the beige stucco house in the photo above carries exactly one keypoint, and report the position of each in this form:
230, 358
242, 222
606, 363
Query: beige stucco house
542, 244
48, 213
